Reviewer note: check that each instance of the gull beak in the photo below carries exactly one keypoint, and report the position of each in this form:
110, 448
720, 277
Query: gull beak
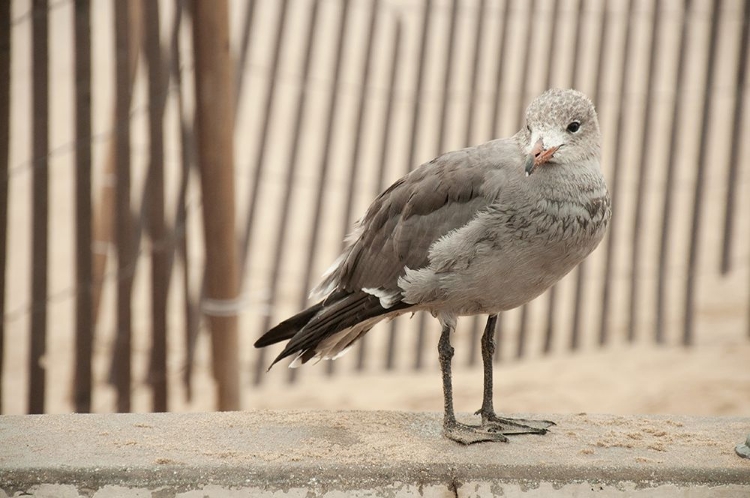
539, 155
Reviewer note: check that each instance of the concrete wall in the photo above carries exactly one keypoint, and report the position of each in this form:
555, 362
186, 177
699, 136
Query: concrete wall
338, 454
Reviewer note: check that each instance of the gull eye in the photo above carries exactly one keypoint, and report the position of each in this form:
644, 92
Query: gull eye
574, 127
528, 128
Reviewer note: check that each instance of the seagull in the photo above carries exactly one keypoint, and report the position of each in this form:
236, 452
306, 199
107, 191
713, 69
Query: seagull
475, 231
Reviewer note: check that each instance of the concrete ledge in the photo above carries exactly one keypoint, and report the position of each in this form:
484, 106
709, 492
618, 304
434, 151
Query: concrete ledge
269, 453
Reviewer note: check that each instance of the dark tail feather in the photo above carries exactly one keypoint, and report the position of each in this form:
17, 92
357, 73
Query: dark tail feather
286, 329
308, 328
289, 327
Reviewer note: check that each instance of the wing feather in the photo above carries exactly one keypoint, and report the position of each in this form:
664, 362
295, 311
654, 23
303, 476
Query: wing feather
417, 210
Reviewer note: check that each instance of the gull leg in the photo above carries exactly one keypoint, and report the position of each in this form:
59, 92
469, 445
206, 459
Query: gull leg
462, 433
490, 421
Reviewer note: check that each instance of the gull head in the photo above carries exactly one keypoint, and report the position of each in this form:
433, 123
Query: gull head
561, 129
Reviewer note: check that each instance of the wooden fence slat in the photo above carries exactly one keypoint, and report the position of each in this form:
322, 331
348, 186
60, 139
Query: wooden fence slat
523, 327
666, 213
301, 106
529, 29
497, 96
247, 28
104, 211
187, 158
105, 223
734, 154
553, 41
4, 178
640, 196
84, 265
40, 208
477, 51
269, 99
614, 179
448, 73
122, 362
160, 244
215, 125
703, 152
575, 329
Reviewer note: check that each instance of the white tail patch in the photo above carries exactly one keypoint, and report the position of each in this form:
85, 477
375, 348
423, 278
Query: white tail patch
387, 297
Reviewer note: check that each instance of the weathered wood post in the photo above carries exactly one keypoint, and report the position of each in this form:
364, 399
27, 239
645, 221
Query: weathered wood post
215, 123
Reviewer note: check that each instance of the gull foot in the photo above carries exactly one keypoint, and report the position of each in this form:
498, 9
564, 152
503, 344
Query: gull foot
469, 434
510, 426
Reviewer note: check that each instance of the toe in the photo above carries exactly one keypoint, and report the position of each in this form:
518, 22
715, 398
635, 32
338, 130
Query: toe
516, 425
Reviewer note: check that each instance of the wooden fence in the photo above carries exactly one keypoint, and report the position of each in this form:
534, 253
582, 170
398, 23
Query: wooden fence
114, 267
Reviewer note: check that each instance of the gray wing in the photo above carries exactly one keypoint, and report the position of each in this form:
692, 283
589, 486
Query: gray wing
404, 221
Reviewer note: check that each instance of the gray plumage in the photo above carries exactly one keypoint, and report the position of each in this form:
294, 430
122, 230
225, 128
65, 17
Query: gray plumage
469, 232
479, 230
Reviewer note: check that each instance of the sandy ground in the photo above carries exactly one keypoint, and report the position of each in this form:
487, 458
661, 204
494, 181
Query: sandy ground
714, 380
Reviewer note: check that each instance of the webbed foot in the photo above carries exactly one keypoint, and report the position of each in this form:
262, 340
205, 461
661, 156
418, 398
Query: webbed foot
469, 434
